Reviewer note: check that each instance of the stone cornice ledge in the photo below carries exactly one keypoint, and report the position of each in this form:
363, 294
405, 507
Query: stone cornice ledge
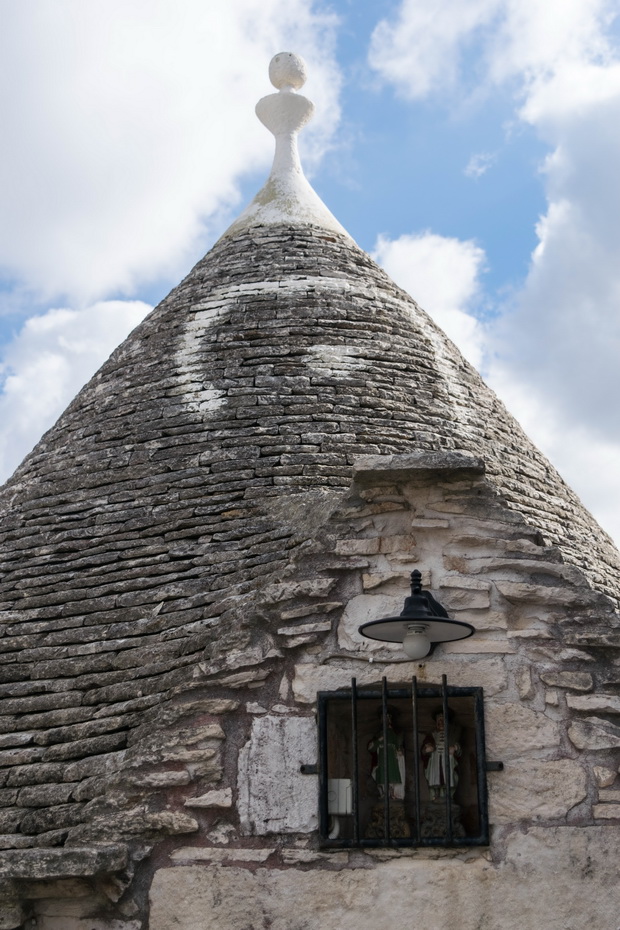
393, 466
75, 861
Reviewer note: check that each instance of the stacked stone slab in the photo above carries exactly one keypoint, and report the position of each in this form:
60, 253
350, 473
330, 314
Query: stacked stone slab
186, 557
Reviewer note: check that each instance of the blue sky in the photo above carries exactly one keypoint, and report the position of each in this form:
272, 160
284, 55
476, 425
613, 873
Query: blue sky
471, 146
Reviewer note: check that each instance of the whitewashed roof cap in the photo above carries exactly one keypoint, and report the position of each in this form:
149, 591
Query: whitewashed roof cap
287, 196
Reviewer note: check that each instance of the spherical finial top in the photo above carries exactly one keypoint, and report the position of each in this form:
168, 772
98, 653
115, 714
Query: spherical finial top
287, 71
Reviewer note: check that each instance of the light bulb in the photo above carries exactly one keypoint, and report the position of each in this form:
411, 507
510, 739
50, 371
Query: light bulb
416, 643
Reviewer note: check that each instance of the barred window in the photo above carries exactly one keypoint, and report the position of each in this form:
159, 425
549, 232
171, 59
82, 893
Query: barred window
402, 766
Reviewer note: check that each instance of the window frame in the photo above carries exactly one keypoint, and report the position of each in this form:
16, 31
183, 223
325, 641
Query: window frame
385, 693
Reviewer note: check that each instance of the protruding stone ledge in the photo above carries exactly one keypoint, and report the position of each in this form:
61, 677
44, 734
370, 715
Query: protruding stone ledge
413, 464
217, 798
594, 733
606, 811
221, 854
578, 681
603, 703
62, 863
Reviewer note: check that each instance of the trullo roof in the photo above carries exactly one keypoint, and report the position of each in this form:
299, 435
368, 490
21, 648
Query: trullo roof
195, 465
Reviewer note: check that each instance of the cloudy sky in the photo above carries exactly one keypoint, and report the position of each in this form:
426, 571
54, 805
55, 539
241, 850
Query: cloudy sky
471, 146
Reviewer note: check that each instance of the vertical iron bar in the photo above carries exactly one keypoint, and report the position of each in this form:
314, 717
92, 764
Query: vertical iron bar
323, 771
386, 780
446, 756
416, 758
356, 775
483, 811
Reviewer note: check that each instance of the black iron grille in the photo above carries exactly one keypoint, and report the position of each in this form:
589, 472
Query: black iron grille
402, 765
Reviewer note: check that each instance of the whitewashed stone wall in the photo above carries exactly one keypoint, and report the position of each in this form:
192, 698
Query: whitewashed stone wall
274, 797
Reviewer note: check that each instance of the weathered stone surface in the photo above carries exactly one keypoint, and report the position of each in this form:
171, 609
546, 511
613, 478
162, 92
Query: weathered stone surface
12, 912
324, 607
478, 644
606, 811
288, 590
15, 841
594, 733
310, 678
11, 915
218, 854
320, 627
605, 703
577, 681
513, 730
188, 501
362, 609
158, 779
274, 797
133, 823
357, 546
65, 918
464, 594
198, 705
604, 776
518, 592
62, 863
46, 795
377, 579
531, 789
220, 798
535, 886
525, 686
599, 640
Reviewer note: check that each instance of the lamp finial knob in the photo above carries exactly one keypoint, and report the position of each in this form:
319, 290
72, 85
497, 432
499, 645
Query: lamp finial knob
416, 581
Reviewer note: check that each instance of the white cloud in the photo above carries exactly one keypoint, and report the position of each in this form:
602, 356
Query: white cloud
127, 126
418, 264
420, 50
424, 48
47, 364
589, 463
557, 345
479, 164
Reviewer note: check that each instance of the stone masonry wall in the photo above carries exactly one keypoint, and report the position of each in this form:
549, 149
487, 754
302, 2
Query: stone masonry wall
186, 556
551, 703
194, 471
225, 765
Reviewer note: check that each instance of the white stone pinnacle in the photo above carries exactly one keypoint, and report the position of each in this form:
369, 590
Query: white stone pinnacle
287, 197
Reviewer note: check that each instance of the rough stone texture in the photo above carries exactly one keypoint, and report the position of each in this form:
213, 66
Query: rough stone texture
222, 798
594, 733
524, 683
533, 888
274, 797
606, 811
512, 730
578, 681
310, 678
360, 610
604, 776
60, 863
603, 703
185, 558
531, 790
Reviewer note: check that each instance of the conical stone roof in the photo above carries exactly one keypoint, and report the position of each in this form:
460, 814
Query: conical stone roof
194, 468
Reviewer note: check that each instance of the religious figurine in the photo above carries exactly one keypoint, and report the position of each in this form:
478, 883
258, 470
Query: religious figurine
395, 759
433, 758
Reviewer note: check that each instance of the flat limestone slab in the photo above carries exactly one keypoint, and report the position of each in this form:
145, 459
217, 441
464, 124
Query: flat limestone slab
562, 878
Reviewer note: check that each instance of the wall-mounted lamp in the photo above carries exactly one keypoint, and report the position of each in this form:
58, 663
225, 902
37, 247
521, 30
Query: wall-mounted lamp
422, 623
